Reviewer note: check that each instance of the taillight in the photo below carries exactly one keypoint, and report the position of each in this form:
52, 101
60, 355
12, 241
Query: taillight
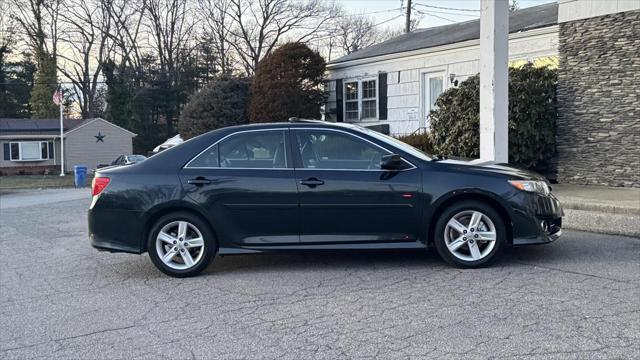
98, 184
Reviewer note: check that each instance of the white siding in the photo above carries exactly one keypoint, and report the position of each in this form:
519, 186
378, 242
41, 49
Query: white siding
404, 95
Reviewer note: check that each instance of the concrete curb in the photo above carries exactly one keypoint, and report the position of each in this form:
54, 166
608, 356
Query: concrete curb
602, 208
602, 222
6, 191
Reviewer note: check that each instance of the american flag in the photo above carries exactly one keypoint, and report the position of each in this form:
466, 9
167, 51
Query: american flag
57, 96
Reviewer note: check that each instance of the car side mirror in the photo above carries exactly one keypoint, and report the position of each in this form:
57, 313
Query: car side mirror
392, 162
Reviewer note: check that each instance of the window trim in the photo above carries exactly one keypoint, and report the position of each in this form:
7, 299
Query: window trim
359, 81
39, 142
356, 136
286, 151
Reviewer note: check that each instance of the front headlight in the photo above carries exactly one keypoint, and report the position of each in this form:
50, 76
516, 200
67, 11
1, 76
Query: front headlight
540, 187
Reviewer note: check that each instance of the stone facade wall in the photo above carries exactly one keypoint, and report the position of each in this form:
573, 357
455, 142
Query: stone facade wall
599, 101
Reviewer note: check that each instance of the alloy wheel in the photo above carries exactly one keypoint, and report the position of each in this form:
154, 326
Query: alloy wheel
180, 245
470, 235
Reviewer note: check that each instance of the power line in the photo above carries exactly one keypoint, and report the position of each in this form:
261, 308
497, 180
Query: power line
436, 16
448, 8
369, 13
388, 20
450, 13
152, 81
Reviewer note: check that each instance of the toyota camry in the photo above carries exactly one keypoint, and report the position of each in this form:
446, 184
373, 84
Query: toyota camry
311, 185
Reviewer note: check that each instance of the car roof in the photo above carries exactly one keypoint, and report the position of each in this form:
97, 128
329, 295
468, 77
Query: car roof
296, 123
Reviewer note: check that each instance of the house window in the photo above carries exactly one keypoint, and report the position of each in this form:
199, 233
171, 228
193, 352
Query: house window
369, 99
351, 102
30, 151
360, 100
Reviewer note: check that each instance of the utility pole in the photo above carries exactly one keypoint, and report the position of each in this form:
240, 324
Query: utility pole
494, 80
407, 25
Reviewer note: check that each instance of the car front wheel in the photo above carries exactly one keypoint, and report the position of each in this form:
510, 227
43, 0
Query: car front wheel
470, 234
181, 244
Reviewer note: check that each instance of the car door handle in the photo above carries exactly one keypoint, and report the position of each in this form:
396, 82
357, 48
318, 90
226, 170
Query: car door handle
312, 182
199, 181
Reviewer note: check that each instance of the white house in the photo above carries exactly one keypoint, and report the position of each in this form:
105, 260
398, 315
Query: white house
393, 85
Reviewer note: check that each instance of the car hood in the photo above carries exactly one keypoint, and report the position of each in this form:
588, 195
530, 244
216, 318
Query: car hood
491, 167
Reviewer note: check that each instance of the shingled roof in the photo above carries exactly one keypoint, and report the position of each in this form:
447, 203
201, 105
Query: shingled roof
36, 126
520, 20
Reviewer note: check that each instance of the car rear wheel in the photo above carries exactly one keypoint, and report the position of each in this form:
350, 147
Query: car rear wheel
470, 234
181, 244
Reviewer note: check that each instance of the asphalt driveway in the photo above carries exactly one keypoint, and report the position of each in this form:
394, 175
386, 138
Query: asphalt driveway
578, 298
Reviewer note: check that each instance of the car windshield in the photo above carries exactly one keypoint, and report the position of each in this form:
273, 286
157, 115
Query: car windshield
136, 158
397, 143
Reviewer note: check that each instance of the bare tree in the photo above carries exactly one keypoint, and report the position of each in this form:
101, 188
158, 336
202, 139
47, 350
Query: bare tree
38, 20
514, 5
171, 23
258, 26
7, 30
356, 32
127, 18
215, 25
86, 27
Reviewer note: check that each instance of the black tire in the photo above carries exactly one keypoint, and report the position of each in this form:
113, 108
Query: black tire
210, 244
457, 208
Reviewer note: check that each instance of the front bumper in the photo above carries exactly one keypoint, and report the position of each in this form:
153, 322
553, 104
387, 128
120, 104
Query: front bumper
540, 220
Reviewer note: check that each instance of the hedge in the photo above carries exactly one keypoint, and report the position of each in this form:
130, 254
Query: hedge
532, 118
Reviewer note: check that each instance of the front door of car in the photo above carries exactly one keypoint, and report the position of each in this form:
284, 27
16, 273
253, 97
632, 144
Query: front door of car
246, 184
345, 196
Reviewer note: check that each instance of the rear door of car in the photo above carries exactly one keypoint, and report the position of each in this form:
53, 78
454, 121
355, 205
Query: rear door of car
344, 194
246, 184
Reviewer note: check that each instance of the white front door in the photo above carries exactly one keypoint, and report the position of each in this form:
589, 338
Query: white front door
432, 87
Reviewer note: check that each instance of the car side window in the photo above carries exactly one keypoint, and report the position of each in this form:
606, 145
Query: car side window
249, 150
322, 149
208, 159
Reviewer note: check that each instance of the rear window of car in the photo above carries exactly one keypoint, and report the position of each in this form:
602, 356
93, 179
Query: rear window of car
247, 150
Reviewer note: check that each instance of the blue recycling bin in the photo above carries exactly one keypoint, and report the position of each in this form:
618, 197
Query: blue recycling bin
80, 175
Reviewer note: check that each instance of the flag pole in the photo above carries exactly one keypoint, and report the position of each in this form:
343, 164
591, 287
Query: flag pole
61, 136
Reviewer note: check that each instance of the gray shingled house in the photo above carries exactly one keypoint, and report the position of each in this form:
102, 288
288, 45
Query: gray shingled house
32, 146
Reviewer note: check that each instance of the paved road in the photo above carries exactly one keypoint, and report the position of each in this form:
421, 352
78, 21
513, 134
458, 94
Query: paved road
578, 298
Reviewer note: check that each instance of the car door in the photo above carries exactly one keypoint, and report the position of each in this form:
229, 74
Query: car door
344, 194
245, 183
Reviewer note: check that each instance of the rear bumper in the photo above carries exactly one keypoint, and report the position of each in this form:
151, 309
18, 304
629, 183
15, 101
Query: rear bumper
116, 230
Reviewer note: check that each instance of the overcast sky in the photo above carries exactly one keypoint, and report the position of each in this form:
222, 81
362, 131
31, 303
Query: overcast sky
388, 13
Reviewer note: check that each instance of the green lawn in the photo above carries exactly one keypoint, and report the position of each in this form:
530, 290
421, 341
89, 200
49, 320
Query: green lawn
38, 181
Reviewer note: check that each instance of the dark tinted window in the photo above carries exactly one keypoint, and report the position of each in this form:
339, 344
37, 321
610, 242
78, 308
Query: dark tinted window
209, 158
321, 149
249, 150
